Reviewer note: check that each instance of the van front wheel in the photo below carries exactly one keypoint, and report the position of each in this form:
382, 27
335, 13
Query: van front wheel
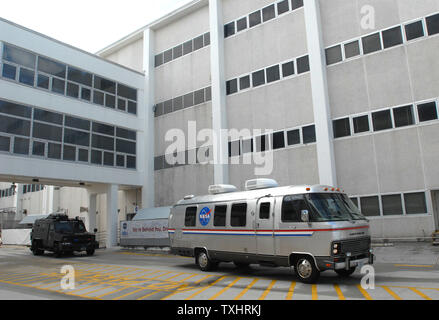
204, 262
306, 270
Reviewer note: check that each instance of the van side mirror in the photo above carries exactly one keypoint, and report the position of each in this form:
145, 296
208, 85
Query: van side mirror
95, 230
304, 215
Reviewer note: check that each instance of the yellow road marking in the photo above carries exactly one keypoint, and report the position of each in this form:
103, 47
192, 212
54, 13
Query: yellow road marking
315, 295
161, 275
148, 295
88, 287
205, 288
93, 291
420, 293
111, 292
364, 292
393, 294
187, 278
225, 289
239, 296
414, 266
267, 291
291, 291
173, 277
339, 292
176, 291
128, 294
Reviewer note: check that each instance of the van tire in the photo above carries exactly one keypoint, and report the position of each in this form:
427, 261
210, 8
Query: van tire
204, 262
306, 269
346, 273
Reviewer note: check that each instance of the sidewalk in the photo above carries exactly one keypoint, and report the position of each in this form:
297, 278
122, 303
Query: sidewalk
417, 253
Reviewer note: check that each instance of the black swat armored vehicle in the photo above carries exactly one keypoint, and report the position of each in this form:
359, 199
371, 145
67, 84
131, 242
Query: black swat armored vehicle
61, 235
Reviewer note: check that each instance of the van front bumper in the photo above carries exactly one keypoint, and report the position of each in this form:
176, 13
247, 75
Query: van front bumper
330, 263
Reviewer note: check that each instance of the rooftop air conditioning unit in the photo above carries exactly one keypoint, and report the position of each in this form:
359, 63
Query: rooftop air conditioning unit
257, 184
222, 188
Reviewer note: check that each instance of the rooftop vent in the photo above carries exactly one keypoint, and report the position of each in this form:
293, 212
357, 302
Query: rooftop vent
222, 188
257, 184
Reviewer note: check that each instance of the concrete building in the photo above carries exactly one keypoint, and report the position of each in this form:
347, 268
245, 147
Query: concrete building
348, 88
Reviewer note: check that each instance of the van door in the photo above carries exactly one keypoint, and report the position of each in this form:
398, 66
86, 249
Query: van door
265, 227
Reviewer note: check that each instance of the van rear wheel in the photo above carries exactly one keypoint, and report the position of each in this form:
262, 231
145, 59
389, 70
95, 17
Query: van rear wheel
204, 262
306, 270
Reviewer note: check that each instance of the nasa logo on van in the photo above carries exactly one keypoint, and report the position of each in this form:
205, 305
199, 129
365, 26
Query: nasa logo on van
205, 215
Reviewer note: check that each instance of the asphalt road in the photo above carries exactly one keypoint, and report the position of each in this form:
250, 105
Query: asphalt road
405, 272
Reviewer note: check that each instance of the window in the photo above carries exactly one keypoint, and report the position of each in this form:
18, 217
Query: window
127, 134
54, 151
188, 100
47, 132
206, 39
414, 30
104, 84
38, 148
121, 104
292, 207
85, 94
18, 56
208, 93
234, 148
333, 55
126, 92
352, 49
392, 37
167, 56
342, 128
382, 120
283, 7
229, 29
96, 157
26, 77
427, 111
295, 4
177, 103
43, 81
125, 146
9, 71
255, 19
131, 162
72, 90
132, 107
244, 83
47, 116
198, 43
51, 67
433, 24
79, 76
190, 217
278, 140
102, 142
177, 52
98, 97
167, 107
241, 24
103, 128
158, 60
258, 78
232, 86
238, 216
120, 161
264, 210
288, 69
415, 203
5, 143
392, 205
58, 86
361, 124
198, 97
21, 146
77, 123
83, 155
309, 134
76, 137
370, 206
303, 64
219, 218
187, 47
69, 153
355, 201
247, 146
371, 43
403, 116
293, 137
14, 126
108, 159
273, 74
261, 143
268, 13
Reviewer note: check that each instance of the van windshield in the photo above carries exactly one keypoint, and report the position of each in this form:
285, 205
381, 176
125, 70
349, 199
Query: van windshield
333, 207
70, 227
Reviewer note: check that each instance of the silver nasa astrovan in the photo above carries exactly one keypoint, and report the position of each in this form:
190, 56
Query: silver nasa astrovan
308, 228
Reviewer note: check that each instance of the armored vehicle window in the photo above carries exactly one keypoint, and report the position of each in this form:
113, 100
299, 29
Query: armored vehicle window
190, 217
238, 217
292, 207
264, 210
219, 219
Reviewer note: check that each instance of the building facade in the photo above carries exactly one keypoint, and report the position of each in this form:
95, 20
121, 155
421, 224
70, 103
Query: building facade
339, 92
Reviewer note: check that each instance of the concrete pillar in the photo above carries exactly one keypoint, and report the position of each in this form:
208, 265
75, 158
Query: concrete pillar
148, 189
19, 202
112, 215
320, 96
91, 217
219, 110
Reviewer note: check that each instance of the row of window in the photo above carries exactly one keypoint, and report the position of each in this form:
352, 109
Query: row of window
392, 205
261, 16
396, 117
185, 101
188, 157
382, 40
28, 188
182, 49
268, 75
31, 131
5, 193
39, 72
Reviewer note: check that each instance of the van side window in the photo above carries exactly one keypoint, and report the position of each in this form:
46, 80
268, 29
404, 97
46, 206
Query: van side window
264, 210
292, 207
190, 217
238, 216
219, 219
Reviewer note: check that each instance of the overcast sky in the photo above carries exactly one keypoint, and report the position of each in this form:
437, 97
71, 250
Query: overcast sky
87, 24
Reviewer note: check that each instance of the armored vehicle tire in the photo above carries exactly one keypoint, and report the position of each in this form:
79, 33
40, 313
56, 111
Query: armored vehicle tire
204, 262
346, 273
90, 252
306, 269
35, 250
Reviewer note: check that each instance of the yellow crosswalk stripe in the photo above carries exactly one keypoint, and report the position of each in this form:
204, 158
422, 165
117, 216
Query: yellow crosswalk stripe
339, 292
267, 291
239, 296
205, 288
420, 293
111, 292
393, 294
314, 293
364, 292
148, 295
291, 291
128, 294
225, 289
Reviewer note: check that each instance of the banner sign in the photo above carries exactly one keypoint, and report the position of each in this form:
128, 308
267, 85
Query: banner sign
144, 229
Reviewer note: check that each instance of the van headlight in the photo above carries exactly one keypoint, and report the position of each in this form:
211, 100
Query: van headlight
336, 248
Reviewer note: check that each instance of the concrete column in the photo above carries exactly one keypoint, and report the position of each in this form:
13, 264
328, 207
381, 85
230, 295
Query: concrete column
148, 189
91, 217
19, 202
112, 215
320, 96
219, 110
